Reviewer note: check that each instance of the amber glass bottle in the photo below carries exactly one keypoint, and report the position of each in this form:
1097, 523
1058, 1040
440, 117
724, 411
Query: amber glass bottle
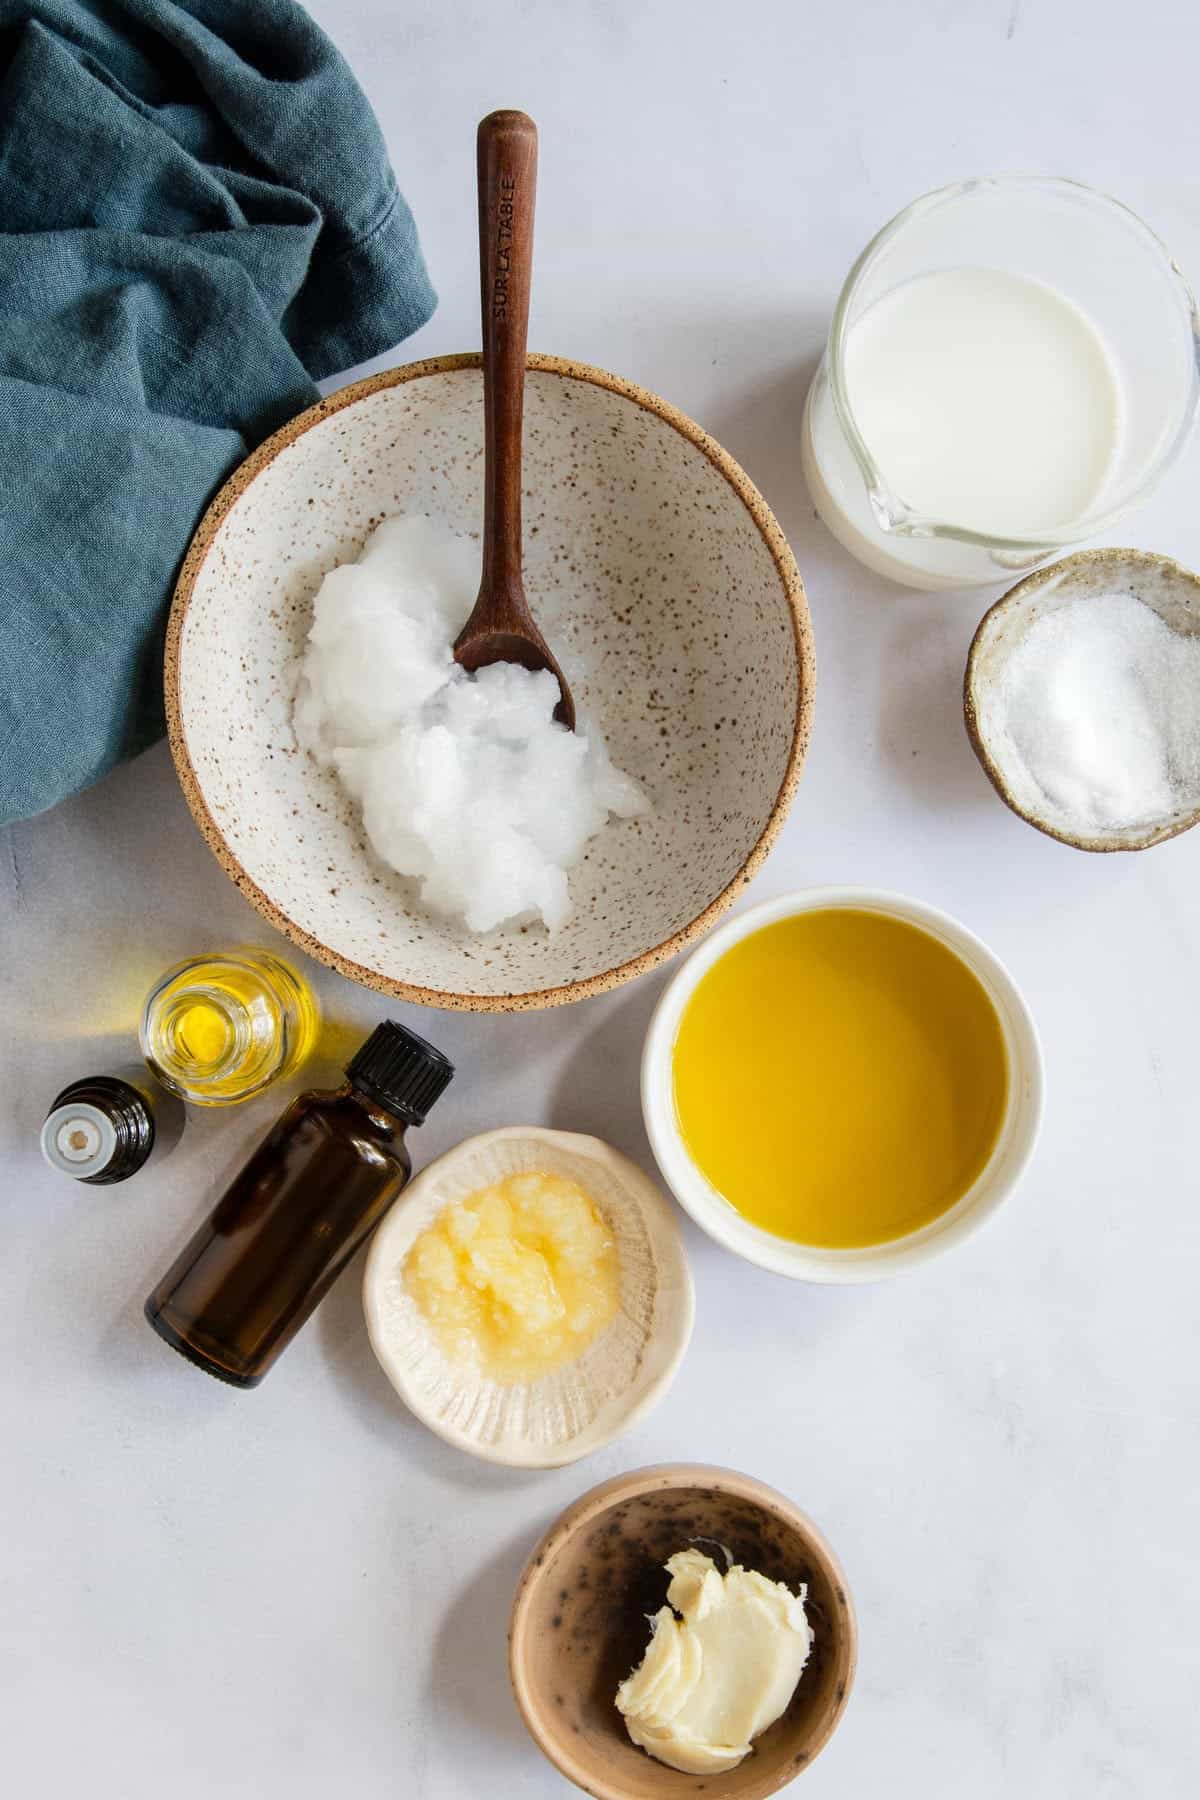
317, 1185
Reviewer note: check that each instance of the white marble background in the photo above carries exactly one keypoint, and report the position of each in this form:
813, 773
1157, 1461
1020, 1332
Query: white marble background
300, 1592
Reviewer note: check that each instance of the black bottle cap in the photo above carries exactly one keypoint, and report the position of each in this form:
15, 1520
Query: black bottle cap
401, 1071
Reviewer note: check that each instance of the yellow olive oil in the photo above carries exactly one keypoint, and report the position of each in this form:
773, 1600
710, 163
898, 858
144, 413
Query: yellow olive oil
840, 1077
217, 1029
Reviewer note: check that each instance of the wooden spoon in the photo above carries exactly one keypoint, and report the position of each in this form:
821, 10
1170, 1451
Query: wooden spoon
501, 627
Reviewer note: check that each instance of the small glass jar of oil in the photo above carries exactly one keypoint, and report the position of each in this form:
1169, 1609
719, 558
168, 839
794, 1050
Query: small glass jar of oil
217, 1029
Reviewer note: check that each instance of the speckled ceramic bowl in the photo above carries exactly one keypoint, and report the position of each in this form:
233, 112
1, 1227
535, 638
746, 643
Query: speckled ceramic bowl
1172, 591
579, 1626
660, 578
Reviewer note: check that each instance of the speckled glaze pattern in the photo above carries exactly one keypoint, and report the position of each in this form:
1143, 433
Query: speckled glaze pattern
1158, 581
579, 1626
662, 579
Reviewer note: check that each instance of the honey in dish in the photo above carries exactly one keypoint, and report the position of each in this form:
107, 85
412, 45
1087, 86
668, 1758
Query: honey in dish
517, 1279
840, 1077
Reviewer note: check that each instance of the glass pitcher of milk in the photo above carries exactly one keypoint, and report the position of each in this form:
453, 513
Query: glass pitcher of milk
1012, 366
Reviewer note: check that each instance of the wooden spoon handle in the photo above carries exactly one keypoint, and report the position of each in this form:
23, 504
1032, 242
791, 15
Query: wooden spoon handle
506, 156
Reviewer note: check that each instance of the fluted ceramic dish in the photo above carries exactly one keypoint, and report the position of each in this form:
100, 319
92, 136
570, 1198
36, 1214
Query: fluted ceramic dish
579, 1625
626, 1370
661, 580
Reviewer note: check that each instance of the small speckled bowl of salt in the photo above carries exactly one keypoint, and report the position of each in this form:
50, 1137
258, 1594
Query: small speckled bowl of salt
1082, 699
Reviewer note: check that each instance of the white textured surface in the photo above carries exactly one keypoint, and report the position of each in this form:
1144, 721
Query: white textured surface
299, 1591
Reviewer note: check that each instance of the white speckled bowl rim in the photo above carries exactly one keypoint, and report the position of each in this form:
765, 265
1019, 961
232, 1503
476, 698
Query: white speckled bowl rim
793, 591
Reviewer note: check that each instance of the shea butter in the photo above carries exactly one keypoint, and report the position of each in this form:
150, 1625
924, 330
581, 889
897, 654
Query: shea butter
723, 1661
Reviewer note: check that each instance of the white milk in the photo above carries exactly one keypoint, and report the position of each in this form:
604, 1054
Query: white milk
987, 400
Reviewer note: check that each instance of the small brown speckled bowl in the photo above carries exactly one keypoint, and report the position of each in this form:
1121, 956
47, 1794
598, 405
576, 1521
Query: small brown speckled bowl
579, 1625
1165, 586
665, 588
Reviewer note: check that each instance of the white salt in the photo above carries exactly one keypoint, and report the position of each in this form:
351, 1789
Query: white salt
466, 782
1097, 720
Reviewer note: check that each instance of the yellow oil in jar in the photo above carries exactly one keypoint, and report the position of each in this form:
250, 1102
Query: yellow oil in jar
840, 1077
217, 1029
517, 1279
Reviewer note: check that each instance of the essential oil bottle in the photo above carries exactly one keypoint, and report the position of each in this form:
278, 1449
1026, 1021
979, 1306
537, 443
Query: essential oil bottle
315, 1188
217, 1029
104, 1128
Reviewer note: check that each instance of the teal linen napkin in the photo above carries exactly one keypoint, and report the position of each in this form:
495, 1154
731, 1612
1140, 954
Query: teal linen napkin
197, 222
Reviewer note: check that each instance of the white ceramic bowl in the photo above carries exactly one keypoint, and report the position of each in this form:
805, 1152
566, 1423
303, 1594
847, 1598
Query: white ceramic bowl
805, 1262
666, 590
620, 1376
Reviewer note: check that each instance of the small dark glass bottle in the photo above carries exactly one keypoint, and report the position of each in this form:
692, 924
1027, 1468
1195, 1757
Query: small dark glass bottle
315, 1188
100, 1129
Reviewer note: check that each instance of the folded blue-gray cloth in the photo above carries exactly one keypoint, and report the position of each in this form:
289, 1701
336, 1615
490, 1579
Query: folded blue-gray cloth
197, 221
